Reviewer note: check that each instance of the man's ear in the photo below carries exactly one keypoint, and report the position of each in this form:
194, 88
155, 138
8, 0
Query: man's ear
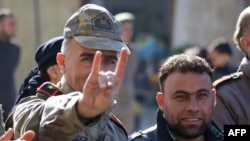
60, 58
245, 43
160, 100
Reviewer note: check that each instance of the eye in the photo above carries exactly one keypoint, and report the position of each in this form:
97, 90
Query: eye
181, 97
87, 58
203, 95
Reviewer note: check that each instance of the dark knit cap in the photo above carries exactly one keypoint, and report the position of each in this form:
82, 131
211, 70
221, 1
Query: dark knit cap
46, 53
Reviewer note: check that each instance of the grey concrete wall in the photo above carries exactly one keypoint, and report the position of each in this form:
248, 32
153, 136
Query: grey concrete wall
201, 21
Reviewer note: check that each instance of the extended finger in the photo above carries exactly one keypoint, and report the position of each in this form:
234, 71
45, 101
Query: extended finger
96, 66
7, 135
28, 136
122, 63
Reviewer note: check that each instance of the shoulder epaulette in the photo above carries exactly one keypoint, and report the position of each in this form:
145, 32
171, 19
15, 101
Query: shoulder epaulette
117, 122
142, 133
49, 89
226, 78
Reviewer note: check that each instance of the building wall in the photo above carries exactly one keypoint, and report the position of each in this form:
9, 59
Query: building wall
201, 21
198, 22
38, 21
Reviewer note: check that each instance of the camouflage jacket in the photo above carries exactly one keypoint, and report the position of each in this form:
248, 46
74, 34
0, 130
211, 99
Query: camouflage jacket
56, 119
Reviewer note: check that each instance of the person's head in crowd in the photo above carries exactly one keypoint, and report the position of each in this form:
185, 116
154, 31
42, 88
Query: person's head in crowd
100, 31
7, 24
187, 98
242, 32
47, 68
46, 59
219, 52
127, 20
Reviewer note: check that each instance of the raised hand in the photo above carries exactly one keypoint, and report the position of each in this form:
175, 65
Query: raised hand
101, 87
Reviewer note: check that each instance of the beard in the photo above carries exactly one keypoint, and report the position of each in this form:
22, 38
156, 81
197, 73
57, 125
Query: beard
188, 132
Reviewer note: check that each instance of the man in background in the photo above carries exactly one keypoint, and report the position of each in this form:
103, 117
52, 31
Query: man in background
47, 68
126, 98
217, 53
233, 91
9, 58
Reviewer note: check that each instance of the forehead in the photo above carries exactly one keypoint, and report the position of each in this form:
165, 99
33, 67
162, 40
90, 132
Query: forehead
189, 81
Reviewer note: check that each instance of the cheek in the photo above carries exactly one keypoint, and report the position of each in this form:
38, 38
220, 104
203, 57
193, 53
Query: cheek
207, 107
171, 113
172, 109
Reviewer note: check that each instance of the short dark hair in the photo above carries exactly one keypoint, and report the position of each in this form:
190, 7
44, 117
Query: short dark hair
220, 45
183, 63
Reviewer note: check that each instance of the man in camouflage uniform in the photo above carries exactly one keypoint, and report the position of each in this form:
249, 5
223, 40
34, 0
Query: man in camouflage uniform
93, 59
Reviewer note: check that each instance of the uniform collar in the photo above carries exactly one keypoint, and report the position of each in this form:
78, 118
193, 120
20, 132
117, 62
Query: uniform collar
245, 67
64, 86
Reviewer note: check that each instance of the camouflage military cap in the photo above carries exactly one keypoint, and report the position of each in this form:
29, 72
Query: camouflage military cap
95, 27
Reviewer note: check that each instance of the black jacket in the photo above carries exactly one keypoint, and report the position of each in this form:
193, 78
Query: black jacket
159, 132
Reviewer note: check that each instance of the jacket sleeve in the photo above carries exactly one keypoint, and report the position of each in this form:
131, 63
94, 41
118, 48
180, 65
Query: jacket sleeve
223, 113
53, 119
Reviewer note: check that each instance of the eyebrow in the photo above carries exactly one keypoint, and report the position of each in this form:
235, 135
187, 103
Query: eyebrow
185, 92
87, 54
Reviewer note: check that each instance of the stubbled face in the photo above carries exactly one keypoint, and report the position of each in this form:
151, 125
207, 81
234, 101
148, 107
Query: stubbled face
8, 27
78, 62
187, 103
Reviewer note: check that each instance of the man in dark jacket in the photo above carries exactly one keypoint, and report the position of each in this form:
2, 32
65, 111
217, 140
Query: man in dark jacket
217, 53
233, 91
9, 59
186, 102
47, 68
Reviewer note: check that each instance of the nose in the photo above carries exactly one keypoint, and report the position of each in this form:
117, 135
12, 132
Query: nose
193, 105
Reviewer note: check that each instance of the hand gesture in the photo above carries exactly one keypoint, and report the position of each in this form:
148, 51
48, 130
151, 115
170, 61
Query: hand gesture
100, 88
